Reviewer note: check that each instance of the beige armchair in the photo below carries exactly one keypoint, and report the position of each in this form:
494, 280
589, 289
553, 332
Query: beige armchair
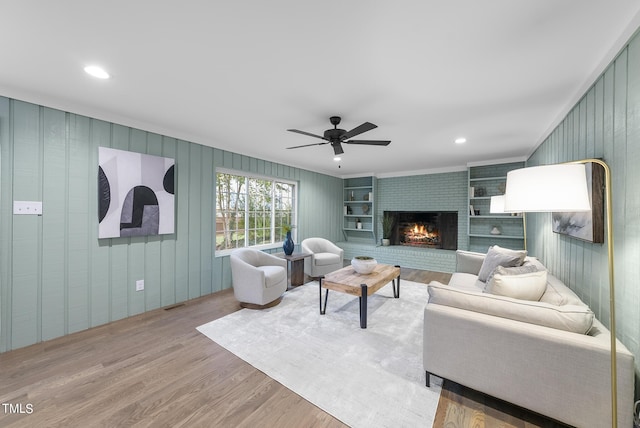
325, 257
259, 279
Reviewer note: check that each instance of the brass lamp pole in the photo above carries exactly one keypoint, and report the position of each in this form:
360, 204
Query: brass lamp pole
523, 188
612, 294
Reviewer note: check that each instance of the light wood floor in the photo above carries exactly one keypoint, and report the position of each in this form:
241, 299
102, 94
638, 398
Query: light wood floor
154, 369
461, 407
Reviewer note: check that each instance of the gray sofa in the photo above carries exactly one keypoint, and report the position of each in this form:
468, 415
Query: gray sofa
549, 355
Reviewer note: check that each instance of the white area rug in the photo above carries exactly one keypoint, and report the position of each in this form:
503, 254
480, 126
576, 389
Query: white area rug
369, 377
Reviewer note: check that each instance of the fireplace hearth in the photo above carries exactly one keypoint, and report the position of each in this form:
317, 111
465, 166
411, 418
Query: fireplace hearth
425, 229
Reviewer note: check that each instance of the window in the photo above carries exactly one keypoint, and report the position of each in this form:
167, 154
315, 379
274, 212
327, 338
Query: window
250, 211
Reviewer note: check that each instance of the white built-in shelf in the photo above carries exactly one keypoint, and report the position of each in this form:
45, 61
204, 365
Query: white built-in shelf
492, 180
359, 188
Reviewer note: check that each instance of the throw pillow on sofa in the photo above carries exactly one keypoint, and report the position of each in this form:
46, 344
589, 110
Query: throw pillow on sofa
557, 293
497, 257
522, 254
525, 286
516, 270
533, 261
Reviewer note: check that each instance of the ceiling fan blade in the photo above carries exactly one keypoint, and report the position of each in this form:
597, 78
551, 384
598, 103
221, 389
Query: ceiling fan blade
337, 149
367, 126
306, 133
369, 142
307, 145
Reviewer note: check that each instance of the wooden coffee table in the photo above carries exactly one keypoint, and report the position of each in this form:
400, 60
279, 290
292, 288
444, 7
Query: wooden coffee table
347, 280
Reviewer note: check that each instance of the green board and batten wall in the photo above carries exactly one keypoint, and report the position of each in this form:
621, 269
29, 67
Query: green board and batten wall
604, 124
57, 277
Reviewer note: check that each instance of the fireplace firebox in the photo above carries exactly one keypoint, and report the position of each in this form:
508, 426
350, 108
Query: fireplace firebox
426, 229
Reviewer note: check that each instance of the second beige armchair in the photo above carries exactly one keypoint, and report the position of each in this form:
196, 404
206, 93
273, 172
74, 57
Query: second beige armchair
325, 257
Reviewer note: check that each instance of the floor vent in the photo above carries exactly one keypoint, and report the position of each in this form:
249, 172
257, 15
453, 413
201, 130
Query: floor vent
174, 306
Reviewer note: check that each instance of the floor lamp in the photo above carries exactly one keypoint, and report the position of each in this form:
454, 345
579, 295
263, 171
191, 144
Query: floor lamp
563, 188
497, 207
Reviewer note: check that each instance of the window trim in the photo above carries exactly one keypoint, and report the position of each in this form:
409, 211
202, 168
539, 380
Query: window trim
270, 246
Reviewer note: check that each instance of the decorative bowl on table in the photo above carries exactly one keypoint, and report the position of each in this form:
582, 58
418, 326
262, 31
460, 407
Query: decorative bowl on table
363, 264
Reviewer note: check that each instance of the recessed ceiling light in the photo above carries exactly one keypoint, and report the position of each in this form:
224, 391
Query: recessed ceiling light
96, 71
460, 140
337, 158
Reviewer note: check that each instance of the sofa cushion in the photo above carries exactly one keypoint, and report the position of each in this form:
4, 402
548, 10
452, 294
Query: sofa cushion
495, 258
573, 318
519, 282
469, 261
466, 281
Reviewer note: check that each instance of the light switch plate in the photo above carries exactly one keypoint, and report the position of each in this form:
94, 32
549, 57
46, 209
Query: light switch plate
27, 207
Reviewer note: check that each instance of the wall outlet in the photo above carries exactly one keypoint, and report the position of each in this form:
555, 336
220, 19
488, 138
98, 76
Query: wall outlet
140, 285
27, 207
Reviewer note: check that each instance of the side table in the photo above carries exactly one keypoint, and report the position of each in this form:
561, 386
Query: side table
295, 265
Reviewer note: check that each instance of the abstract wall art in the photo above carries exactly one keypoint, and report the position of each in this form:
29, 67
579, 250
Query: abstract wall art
588, 226
135, 194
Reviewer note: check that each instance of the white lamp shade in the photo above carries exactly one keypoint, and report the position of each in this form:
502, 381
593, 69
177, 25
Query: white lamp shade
497, 204
547, 188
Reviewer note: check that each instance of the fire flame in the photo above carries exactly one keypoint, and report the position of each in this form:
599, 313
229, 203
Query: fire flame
421, 235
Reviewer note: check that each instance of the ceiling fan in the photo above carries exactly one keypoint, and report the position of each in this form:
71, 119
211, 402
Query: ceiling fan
336, 137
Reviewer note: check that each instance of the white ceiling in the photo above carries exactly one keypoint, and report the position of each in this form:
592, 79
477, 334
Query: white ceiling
236, 75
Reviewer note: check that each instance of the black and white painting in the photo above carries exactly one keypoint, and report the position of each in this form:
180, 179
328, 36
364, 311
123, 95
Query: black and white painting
135, 194
589, 225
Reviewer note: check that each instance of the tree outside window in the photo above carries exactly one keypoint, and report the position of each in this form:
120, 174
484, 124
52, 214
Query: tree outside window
251, 211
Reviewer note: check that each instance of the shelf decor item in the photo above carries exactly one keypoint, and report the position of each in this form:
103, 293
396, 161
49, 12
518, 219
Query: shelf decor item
363, 264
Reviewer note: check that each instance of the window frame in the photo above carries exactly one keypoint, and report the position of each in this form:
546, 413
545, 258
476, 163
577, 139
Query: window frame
248, 176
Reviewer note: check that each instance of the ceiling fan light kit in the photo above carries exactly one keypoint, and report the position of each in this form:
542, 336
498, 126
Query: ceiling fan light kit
336, 137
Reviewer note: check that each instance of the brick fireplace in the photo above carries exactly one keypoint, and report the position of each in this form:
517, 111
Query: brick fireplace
426, 229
